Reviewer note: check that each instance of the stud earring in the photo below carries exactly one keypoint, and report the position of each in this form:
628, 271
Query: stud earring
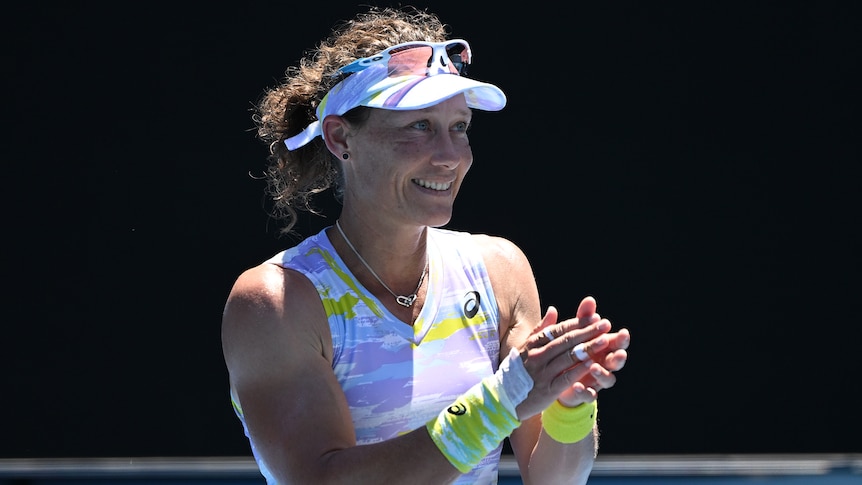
345, 155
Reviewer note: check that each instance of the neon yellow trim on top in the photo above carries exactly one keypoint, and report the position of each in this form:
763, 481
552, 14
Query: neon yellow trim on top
343, 276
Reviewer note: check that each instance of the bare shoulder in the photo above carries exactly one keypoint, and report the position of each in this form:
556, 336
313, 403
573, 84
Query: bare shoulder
271, 310
259, 294
514, 287
256, 289
501, 254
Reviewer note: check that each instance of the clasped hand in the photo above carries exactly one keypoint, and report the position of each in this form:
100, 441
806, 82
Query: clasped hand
572, 360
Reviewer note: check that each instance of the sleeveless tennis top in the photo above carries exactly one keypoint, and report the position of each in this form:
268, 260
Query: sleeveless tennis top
397, 377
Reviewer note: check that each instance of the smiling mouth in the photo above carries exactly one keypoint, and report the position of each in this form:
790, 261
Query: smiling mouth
441, 186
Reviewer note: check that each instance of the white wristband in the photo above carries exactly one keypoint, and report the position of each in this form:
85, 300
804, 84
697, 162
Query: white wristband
514, 381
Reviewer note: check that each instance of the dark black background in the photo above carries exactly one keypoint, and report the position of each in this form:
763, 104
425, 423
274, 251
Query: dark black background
694, 166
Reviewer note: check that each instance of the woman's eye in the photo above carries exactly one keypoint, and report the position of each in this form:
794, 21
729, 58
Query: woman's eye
421, 125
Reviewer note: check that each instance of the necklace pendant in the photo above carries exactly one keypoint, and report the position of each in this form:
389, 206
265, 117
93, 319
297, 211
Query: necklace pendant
406, 301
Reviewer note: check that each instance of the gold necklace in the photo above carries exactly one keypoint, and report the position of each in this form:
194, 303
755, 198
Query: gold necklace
405, 301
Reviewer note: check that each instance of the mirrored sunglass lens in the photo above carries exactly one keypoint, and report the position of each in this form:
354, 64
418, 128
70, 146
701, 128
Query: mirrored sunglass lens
417, 58
458, 55
411, 59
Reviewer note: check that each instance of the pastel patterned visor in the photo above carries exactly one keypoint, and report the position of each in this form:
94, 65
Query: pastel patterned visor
413, 75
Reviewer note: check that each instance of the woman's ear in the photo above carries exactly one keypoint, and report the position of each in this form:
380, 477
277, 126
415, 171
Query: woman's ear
335, 130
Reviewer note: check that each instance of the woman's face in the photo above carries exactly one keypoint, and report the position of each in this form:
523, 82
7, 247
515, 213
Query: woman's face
410, 164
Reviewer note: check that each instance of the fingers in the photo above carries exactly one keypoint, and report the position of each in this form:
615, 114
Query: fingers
576, 333
586, 316
583, 393
599, 375
603, 378
548, 320
548, 330
542, 335
582, 382
623, 338
565, 352
616, 356
584, 350
580, 352
593, 349
586, 378
615, 360
576, 385
557, 357
551, 316
586, 308
584, 322
551, 347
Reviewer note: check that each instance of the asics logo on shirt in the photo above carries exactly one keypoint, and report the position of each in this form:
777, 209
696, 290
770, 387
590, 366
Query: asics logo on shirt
457, 409
471, 304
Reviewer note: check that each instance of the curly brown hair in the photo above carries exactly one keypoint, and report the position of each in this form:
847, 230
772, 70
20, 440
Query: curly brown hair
294, 177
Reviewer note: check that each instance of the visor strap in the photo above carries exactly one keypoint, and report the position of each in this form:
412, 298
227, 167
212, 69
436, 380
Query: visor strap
309, 133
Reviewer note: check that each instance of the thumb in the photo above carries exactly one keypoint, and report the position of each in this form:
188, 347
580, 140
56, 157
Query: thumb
550, 318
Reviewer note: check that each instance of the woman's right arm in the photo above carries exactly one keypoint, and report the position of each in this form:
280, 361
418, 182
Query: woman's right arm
278, 351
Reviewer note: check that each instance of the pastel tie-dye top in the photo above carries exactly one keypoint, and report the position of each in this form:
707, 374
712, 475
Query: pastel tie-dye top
397, 377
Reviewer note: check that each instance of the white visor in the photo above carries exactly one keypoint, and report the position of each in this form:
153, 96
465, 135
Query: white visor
378, 83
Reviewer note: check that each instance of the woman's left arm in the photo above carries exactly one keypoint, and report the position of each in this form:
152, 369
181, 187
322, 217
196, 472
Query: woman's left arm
541, 458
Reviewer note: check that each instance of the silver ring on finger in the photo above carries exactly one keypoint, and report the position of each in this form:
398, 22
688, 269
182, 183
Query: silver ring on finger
580, 352
548, 334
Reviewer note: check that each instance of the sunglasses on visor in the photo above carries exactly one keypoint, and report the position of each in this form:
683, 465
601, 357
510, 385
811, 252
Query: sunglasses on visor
418, 59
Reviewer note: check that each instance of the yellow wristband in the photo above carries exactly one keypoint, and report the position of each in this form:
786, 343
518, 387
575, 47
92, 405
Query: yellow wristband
473, 426
570, 425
